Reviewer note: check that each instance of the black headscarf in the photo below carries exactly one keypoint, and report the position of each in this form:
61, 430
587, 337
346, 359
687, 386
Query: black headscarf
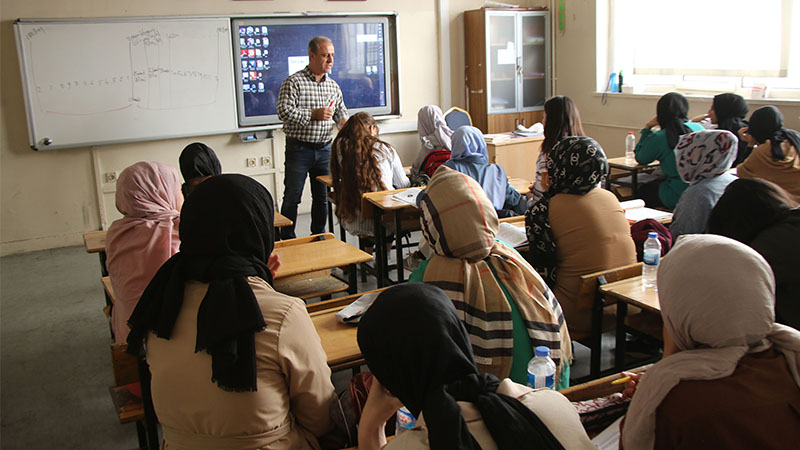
227, 234
731, 109
198, 160
576, 165
671, 112
432, 368
766, 123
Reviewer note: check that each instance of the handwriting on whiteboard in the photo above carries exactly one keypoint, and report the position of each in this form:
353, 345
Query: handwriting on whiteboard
150, 69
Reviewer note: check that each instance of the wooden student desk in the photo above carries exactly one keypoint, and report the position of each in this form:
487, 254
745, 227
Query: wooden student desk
628, 291
633, 169
338, 339
308, 254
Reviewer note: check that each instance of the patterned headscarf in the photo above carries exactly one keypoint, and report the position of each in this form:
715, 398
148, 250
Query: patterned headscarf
577, 164
705, 154
459, 223
713, 318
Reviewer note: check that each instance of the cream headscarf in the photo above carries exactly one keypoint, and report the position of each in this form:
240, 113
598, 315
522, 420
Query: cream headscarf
718, 303
460, 223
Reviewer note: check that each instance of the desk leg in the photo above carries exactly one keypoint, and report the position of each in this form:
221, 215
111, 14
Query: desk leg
353, 280
380, 248
596, 339
330, 210
619, 351
398, 249
634, 182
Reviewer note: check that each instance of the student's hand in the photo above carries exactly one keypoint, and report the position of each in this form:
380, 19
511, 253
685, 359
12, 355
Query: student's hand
545, 181
321, 114
630, 386
378, 409
653, 122
341, 123
700, 118
273, 263
531, 187
747, 137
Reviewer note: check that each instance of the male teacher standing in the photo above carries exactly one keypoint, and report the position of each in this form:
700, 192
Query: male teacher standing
310, 103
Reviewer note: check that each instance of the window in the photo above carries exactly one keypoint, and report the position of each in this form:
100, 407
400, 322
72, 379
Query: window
703, 46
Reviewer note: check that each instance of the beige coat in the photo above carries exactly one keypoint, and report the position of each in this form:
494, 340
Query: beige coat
784, 173
555, 411
592, 234
291, 405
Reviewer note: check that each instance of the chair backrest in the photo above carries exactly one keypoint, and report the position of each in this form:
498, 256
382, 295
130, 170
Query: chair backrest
126, 369
457, 118
589, 282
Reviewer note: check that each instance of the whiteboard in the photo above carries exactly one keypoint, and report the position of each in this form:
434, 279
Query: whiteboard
91, 82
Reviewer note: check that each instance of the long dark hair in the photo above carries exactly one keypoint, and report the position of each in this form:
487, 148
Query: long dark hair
671, 112
354, 167
563, 119
748, 206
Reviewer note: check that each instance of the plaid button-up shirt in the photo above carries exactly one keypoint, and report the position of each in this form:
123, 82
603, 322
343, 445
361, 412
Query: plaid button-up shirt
299, 94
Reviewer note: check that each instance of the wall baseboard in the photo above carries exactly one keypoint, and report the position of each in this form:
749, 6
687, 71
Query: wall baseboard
40, 243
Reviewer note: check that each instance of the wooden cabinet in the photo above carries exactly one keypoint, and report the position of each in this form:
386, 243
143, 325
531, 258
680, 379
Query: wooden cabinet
507, 67
517, 155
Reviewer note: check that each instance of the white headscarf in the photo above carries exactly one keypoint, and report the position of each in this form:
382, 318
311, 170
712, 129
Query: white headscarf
717, 300
705, 154
431, 125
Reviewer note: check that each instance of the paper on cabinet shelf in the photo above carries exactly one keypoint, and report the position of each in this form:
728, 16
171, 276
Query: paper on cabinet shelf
507, 55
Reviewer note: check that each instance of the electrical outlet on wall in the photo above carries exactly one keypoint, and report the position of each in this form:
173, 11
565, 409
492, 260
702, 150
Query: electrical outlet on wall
111, 177
250, 162
265, 160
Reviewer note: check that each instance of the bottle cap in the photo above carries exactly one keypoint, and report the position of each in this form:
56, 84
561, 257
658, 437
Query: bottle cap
542, 351
652, 234
630, 132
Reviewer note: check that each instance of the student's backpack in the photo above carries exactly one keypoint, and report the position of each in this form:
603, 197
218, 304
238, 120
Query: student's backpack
433, 160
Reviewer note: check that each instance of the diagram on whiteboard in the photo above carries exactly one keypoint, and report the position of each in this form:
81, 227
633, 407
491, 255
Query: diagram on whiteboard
104, 81
150, 69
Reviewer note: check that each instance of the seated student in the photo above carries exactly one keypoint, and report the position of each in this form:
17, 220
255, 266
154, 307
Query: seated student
149, 198
760, 214
729, 377
433, 373
727, 112
234, 363
672, 109
198, 162
775, 157
360, 163
434, 134
469, 156
577, 227
561, 119
704, 158
503, 302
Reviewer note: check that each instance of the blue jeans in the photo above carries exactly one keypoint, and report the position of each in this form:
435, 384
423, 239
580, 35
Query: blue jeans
304, 159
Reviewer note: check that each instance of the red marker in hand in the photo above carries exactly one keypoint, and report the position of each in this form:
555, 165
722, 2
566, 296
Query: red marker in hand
331, 104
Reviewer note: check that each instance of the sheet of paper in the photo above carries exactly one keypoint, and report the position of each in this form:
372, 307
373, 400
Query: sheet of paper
608, 439
507, 55
408, 196
513, 235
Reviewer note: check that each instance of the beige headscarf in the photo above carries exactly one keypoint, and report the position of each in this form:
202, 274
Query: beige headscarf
718, 303
460, 223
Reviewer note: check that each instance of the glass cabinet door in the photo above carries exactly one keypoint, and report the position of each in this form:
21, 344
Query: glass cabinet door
502, 61
533, 30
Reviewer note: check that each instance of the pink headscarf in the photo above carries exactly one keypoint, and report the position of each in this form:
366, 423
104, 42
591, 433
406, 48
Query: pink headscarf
717, 300
149, 198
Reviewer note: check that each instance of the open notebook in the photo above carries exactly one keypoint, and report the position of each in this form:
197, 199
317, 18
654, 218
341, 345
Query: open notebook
636, 211
512, 235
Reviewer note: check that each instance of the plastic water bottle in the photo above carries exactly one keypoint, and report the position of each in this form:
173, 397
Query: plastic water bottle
405, 421
542, 369
652, 253
630, 145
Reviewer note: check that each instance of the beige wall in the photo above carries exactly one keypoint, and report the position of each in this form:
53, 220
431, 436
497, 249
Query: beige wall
48, 199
